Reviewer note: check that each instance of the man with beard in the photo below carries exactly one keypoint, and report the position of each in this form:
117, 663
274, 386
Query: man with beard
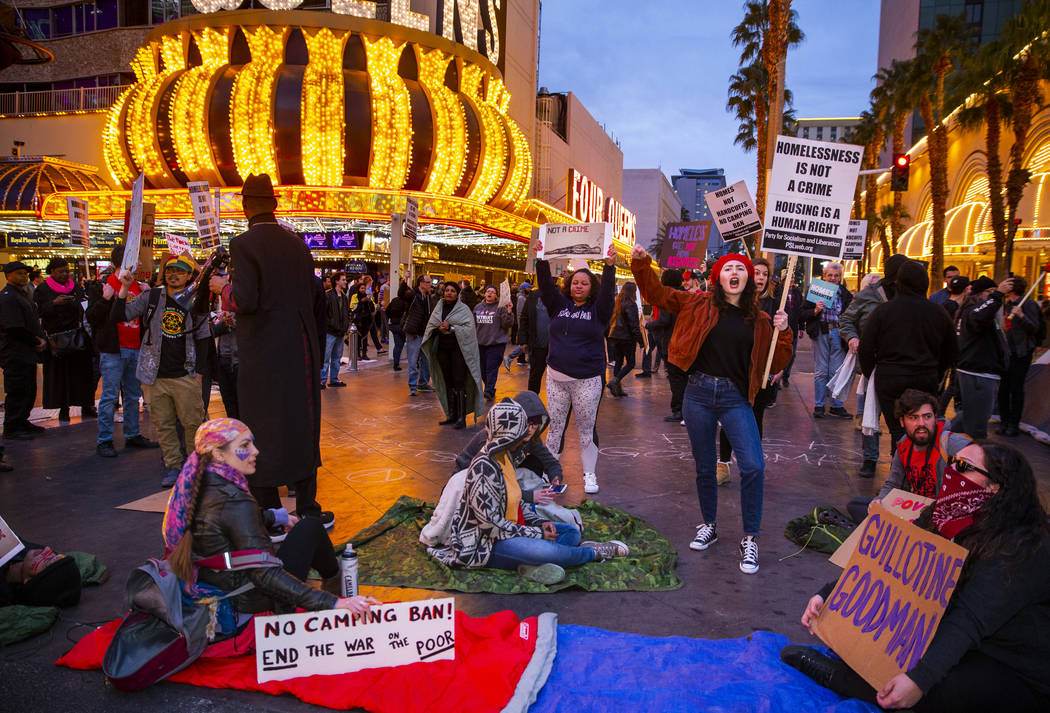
921, 455
272, 291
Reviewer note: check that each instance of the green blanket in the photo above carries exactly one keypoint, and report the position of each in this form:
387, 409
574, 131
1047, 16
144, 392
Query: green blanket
390, 554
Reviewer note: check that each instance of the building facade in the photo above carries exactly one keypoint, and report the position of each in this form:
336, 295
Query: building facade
649, 195
834, 129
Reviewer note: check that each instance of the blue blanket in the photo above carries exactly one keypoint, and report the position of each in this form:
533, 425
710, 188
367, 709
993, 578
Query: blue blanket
601, 671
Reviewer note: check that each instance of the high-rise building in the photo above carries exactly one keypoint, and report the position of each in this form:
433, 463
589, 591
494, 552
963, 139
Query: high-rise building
835, 129
648, 194
691, 184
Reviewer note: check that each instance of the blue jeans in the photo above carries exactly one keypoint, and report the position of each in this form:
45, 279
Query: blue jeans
399, 345
827, 358
333, 353
491, 358
118, 378
418, 366
708, 401
508, 554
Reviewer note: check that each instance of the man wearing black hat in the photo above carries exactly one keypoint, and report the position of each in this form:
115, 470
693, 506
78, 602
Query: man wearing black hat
944, 294
908, 342
21, 340
851, 326
271, 289
982, 355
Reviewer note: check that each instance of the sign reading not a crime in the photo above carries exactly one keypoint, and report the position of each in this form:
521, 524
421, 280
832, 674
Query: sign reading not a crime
854, 247
810, 195
734, 211
336, 641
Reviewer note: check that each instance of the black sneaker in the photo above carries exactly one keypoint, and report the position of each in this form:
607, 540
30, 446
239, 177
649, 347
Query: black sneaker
840, 412
674, 417
337, 384
749, 555
644, 375
818, 413
811, 662
705, 537
327, 518
277, 533
867, 469
140, 441
106, 449
32, 427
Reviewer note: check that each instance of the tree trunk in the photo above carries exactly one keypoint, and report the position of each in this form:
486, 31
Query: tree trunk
995, 181
900, 120
1024, 95
762, 152
937, 142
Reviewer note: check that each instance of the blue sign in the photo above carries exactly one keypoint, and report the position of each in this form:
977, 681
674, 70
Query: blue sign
332, 240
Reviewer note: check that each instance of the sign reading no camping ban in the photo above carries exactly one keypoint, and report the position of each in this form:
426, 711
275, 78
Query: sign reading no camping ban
733, 211
810, 195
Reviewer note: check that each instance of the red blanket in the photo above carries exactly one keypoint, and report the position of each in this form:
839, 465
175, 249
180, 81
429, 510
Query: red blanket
492, 653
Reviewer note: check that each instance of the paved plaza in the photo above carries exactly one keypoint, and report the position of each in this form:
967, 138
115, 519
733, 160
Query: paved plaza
379, 444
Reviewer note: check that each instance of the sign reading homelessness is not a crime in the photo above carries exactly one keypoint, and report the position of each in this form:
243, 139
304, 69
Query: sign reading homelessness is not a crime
886, 606
336, 641
810, 195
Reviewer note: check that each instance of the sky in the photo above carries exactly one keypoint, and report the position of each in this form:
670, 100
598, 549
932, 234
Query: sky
655, 72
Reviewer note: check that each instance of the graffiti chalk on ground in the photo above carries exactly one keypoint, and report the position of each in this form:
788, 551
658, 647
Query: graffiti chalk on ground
371, 476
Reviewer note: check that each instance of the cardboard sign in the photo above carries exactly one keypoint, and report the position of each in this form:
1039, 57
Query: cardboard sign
504, 294
10, 545
905, 505
178, 245
149, 222
203, 205
411, 226
886, 606
822, 291
78, 222
133, 232
336, 641
853, 249
685, 245
734, 211
584, 241
810, 195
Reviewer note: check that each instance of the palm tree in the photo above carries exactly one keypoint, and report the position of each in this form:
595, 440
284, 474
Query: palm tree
982, 72
896, 92
935, 50
869, 133
883, 224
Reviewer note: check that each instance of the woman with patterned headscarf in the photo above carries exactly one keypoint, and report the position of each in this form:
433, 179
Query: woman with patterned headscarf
490, 529
211, 512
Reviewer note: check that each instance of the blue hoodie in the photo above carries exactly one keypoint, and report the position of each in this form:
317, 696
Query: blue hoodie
577, 333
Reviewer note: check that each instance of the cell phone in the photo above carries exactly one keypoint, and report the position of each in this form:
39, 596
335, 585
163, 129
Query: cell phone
559, 489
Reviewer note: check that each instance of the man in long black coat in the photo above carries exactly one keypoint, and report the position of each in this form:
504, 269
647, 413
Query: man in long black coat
278, 382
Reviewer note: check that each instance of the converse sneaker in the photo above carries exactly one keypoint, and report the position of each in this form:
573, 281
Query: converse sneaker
590, 483
607, 550
705, 537
542, 573
749, 555
722, 472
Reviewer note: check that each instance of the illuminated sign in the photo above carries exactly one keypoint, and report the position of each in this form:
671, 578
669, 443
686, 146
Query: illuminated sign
586, 201
332, 240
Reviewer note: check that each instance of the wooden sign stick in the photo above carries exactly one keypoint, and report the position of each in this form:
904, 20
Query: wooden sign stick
792, 259
1030, 290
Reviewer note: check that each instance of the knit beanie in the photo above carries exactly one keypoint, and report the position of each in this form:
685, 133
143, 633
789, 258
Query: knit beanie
717, 269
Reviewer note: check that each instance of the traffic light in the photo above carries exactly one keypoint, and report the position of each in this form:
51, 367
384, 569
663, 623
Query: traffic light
899, 173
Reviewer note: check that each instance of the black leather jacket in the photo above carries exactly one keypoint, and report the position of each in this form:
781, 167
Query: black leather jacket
228, 519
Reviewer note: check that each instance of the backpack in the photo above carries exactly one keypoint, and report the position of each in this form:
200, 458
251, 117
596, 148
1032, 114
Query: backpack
164, 631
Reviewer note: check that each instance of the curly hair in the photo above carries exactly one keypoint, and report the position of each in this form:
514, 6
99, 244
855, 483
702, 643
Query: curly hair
768, 291
911, 401
748, 299
566, 284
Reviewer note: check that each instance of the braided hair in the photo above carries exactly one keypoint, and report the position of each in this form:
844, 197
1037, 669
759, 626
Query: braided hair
181, 558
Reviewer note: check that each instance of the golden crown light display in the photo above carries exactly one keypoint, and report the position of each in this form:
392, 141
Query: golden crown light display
317, 100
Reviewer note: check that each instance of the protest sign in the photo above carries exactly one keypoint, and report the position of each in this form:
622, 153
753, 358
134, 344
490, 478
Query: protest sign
734, 211
149, 222
586, 241
810, 195
177, 245
336, 641
203, 205
901, 503
886, 606
853, 249
822, 291
78, 222
133, 227
10, 545
504, 294
685, 245
411, 227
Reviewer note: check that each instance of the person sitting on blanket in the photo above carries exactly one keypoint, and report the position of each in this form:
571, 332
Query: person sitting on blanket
211, 512
990, 651
39, 577
486, 531
535, 466
921, 455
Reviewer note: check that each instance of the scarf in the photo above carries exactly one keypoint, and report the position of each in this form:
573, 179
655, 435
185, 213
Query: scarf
176, 521
510, 480
960, 499
59, 287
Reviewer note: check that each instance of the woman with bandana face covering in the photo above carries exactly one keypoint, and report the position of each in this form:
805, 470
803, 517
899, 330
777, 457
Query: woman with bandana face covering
721, 340
991, 650
211, 512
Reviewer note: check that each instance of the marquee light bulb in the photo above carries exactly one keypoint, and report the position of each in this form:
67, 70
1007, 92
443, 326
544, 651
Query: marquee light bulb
281, 4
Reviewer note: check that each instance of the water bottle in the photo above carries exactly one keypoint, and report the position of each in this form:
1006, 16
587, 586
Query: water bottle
348, 570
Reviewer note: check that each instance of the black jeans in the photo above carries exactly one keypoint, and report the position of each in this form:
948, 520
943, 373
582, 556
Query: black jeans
305, 496
227, 378
537, 365
307, 545
20, 386
678, 381
1011, 390
623, 357
890, 383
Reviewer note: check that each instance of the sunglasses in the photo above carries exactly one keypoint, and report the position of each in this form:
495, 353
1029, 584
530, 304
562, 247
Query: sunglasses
964, 466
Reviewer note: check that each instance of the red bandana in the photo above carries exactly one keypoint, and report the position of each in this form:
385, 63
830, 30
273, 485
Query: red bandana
960, 498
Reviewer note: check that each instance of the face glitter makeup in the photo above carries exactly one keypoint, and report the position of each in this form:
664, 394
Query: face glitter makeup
242, 453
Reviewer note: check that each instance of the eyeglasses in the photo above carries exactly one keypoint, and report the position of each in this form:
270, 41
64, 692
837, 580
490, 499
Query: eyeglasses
964, 466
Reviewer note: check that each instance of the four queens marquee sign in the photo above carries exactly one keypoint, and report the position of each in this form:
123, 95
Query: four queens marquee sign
587, 202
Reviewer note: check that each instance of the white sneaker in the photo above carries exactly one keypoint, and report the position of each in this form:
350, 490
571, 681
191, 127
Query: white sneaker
749, 555
705, 537
590, 483
607, 550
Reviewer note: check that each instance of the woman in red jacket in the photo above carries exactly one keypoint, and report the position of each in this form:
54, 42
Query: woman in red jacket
721, 340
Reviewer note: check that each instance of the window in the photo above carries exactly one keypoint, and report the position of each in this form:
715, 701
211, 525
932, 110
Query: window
38, 24
105, 14
974, 12
805, 132
834, 132
820, 133
62, 21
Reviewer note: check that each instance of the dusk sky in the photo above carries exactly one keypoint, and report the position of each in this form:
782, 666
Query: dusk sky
656, 73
